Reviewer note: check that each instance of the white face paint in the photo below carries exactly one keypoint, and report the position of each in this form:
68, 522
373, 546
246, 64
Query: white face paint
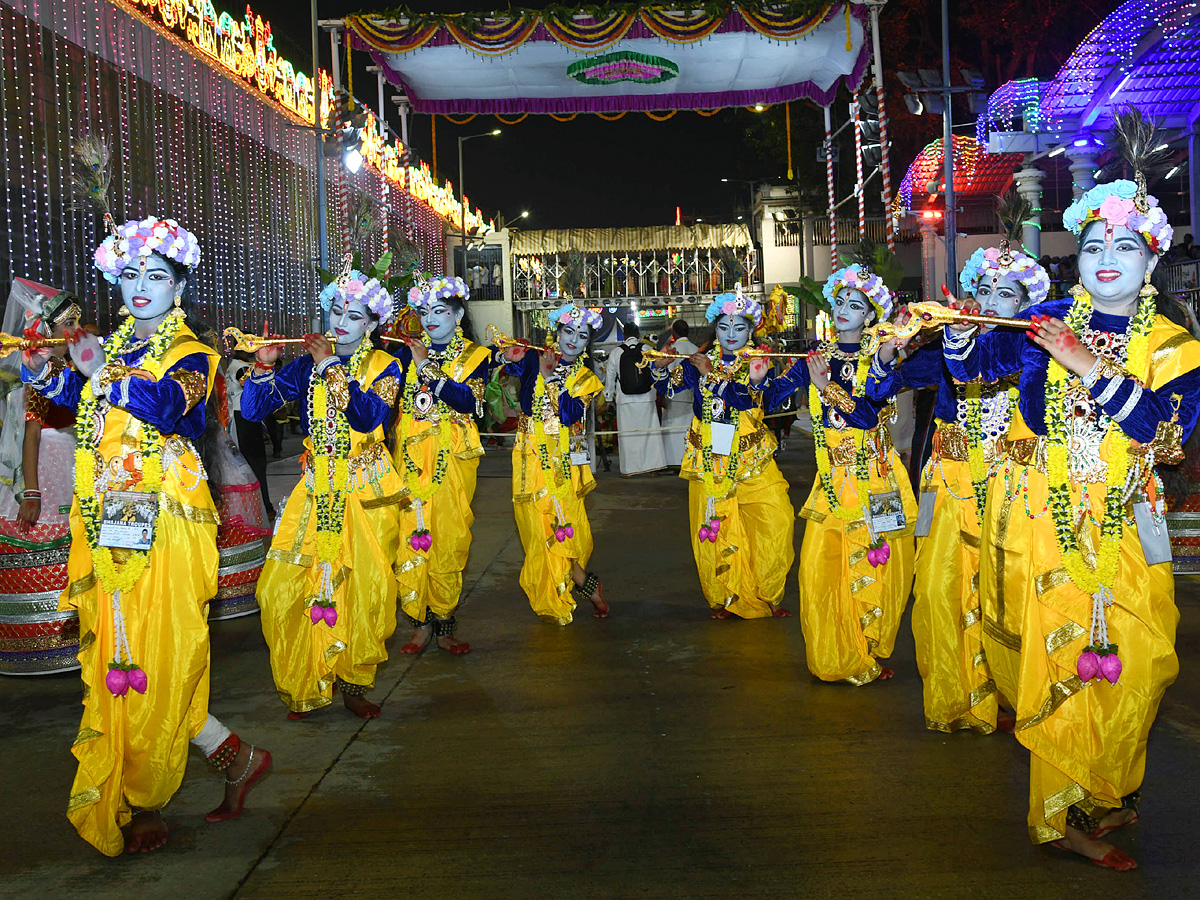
1003, 298
440, 319
572, 340
149, 292
350, 321
733, 332
850, 310
1113, 262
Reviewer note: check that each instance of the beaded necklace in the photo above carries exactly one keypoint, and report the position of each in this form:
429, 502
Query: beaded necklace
556, 461
862, 472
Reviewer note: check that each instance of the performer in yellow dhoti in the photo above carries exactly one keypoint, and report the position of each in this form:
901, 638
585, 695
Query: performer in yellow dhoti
437, 452
971, 419
327, 592
741, 518
143, 559
551, 470
1078, 597
856, 559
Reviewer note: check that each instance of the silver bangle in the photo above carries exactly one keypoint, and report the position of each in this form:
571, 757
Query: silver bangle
1110, 390
1134, 396
1093, 374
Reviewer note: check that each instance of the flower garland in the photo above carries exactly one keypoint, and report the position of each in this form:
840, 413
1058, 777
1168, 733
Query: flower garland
330, 472
88, 463
556, 470
862, 471
1100, 655
422, 539
123, 672
1058, 469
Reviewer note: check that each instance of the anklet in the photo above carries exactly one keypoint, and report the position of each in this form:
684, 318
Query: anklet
249, 766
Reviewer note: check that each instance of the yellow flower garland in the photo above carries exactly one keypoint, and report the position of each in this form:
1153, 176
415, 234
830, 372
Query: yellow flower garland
556, 472
89, 464
714, 488
412, 474
824, 465
1057, 456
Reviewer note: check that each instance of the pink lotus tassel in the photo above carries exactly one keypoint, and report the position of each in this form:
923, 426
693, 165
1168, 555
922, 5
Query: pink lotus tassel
704, 533
1110, 667
315, 613
714, 526
330, 615
560, 534
1088, 666
117, 681
137, 679
414, 541
426, 541
885, 552
570, 530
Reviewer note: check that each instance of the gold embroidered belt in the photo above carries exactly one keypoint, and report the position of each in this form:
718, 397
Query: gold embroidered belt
878, 443
950, 442
746, 442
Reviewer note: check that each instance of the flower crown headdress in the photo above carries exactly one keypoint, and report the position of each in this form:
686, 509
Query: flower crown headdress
734, 303
855, 277
365, 287
138, 239
1125, 202
432, 288
569, 312
1002, 262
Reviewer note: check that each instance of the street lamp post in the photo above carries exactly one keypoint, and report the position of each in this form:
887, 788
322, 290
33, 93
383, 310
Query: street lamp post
750, 211
462, 192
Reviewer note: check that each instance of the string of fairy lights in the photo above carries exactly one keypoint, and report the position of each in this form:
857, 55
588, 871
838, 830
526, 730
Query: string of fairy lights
186, 143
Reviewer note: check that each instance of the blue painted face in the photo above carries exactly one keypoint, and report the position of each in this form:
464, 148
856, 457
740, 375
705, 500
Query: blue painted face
851, 308
149, 292
350, 321
572, 340
1004, 297
440, 319
733, 332
1113, 263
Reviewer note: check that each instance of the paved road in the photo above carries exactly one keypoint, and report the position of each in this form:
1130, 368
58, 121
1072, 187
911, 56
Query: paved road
656, 754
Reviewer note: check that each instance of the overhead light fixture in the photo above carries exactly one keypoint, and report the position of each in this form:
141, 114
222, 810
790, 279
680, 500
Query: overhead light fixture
1174, 172
495, 132
758, 107
525, 214
1160, 147
739, 218
1057, 151
352, 159
1124, 81
725, 180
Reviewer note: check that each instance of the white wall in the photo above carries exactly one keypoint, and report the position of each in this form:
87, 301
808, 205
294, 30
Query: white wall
495, 312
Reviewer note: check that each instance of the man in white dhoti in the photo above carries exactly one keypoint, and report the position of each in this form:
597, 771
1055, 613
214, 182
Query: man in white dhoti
677, 410
639, 432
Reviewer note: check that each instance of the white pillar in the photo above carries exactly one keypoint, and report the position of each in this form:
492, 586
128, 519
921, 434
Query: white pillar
1083, 166
1029, 186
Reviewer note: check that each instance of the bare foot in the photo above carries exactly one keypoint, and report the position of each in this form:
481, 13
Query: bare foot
1006, 720
885, 673
779, 612
297, 716
419, 640
453, 645
720, 612
1118, 818
147, 831
242, 774
360, 706
1101, 853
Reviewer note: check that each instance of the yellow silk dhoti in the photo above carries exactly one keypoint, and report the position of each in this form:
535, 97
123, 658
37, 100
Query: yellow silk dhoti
546, 575
306, 659
850, 611
745, 570
1087, 742
432, 581
947, 621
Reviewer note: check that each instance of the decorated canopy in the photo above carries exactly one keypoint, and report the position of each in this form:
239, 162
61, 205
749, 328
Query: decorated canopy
1146, 53
619, 58
975, 171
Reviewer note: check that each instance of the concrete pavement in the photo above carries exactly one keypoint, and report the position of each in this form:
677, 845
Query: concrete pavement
656, 754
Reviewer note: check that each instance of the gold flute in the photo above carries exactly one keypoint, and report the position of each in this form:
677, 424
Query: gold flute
11, 342
926, 316
495, 336
252, 342
649, 355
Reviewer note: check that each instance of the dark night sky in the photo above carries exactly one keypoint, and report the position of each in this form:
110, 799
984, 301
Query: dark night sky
588, 172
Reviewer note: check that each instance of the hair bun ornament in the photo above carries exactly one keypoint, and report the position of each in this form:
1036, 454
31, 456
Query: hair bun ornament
370, 292
434, 288
569, 312
855, 277
138, 239
734, 303
1002, 262
1122, 202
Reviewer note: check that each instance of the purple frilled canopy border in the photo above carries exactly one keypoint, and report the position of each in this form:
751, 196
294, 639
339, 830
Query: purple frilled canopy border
496, 38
